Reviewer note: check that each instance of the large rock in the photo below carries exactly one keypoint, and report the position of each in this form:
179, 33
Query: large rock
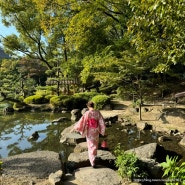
98, 176
38, 164
147, 151
182, 141
81, 147
55, 178
144, 126
75, 114
111, 119
61, 119
78, 160
152, 151
152, 155
71, 138
103, 176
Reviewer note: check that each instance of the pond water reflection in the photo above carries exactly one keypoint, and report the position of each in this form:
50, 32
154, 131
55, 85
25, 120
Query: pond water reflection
15, 130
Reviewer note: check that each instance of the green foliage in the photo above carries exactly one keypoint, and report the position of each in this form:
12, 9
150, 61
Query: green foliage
35, 99
155, 31
100, 101
46, 92
102, 66
86, 95
18, 106
68, 101
73, 102
30, 32
1, 166
113, 43
57, 100
124, 92
48, 97
129, 166
174, 171
40, 92
15, 84
108, 89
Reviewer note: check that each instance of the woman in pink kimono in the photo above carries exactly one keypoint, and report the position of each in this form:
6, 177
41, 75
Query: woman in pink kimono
90, 125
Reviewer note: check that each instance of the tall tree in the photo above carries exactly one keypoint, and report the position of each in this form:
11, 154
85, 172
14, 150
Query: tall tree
157, 29
31, 39
32, 69
13, 83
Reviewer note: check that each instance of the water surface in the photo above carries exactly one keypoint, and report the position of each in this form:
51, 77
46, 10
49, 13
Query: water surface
16, 128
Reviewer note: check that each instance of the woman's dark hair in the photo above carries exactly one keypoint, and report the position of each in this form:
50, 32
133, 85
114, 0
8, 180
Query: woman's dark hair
90, 104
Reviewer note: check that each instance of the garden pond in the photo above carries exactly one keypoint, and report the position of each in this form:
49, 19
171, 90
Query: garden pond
16, 128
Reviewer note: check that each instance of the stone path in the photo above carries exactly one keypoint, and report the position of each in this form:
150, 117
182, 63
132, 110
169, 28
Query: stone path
91, 176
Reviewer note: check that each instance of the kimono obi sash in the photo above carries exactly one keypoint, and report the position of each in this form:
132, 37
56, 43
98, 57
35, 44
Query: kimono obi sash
93, 123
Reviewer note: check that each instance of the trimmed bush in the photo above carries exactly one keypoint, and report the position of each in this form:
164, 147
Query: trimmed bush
74, 102
58, 100
48, 97
86, 95
68, 101
100, 101
35, 99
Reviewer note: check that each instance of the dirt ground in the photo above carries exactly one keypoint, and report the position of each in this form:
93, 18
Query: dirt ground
161, 117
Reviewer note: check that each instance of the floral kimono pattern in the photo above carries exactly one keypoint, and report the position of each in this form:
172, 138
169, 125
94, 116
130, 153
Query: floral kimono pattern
90, 125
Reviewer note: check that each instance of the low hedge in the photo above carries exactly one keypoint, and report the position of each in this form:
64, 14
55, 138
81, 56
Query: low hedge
100, 101
58, 100
86, 95
36, 99
68, 101
76, 101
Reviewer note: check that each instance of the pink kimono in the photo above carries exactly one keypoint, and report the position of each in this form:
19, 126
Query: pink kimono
91, 124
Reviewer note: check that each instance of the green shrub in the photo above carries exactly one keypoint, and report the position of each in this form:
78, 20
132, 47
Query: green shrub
58, 100
41, 92
74, 102
1, 167
68, 101
125, 93
45, 90
48, 97
100, 101
174, 171
129, 166
35, 99
108, 89
86, 95
18, 105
